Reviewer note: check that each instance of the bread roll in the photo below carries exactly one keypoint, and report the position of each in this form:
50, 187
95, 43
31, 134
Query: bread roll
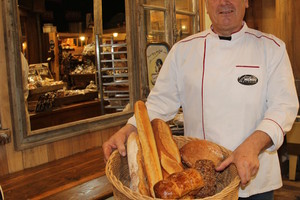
167, 149
201, 150
179, 184
207, 169
136, 166
146, 136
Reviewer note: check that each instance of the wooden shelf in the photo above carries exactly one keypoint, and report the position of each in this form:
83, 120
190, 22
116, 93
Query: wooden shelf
45, 89
65, 114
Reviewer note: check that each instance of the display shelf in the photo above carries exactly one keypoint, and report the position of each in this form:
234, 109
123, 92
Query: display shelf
115, 83
114, 60
113, 64
109, 53
80, 81
115, 68
65, 114
45, 89
115, 76
66, 100
116, 99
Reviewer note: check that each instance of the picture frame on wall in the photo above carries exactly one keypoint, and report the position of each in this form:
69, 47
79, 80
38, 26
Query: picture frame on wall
156, 54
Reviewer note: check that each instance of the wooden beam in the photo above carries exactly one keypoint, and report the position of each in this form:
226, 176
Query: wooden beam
98, 24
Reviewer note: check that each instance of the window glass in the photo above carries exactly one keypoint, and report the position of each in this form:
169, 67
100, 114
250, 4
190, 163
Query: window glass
155, 26
185, 5
184, 26
63, 77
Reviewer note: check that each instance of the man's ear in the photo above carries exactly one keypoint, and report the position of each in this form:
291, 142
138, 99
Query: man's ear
205, 3
247, 3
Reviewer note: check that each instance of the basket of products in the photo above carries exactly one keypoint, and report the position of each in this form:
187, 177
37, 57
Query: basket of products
162, 166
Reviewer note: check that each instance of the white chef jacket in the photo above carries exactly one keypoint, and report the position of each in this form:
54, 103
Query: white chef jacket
227, 90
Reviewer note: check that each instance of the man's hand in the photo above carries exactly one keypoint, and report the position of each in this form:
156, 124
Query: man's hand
117, 141
246, 162
245, 157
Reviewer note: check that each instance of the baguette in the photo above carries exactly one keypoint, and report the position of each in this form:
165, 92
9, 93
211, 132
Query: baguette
146, 136
168, 151
136, 166
179, 184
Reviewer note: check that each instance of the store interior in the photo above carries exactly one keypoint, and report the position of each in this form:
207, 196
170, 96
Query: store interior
65, 84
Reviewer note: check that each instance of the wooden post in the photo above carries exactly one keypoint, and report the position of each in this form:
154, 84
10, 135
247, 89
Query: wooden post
284, 15
296, 39
98, 24
55, 62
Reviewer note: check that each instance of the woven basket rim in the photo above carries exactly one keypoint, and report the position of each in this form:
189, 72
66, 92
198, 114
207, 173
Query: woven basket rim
135, 195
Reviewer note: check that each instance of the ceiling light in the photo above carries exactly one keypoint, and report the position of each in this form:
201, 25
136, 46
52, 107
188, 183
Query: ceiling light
115, 34
82, 38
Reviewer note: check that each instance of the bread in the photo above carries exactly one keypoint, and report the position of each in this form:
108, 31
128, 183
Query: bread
146, 136
167, 149
201, 150
207, 169
136, 166
179, 184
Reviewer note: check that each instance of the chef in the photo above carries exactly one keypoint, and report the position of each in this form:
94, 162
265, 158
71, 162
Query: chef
236, 88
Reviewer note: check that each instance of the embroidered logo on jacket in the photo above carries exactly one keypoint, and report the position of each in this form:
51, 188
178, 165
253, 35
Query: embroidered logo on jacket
247, 79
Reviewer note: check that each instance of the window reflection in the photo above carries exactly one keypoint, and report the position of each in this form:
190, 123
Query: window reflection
185, 5
184, 24
155, 22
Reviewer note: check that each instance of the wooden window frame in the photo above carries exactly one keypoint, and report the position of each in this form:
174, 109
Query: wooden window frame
14, 91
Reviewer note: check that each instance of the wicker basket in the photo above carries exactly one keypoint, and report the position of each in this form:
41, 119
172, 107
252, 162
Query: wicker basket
118, 174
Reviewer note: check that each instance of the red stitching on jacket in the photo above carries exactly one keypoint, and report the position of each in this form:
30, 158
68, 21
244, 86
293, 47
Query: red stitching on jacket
277, 124
264, 37
202, 89
201, 36
247, 66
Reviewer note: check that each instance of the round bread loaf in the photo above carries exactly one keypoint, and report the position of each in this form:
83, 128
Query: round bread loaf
196, 150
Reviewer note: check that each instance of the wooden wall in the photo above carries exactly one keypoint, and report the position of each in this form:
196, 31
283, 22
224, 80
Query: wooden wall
296, 38
282, 19
12, 161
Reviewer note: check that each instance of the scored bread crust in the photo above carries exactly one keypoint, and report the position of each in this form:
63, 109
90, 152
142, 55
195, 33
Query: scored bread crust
201, 150
146, 136
167, 149
179, 184
136, 166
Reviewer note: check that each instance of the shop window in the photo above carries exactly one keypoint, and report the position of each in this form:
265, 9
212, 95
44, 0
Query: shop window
170, 21
54, 95
184, 26
68, 86
186, 18
165, 22
186, 5
155, 26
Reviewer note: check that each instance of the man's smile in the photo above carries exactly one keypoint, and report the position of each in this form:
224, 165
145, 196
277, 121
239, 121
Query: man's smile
226, 11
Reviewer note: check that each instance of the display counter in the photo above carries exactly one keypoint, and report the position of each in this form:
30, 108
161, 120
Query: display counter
65, 114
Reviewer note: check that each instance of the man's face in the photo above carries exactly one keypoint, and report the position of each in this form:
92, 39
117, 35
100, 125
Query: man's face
226, 15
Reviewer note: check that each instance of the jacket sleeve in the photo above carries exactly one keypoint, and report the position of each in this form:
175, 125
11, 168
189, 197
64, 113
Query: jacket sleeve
164, 100
282, 100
